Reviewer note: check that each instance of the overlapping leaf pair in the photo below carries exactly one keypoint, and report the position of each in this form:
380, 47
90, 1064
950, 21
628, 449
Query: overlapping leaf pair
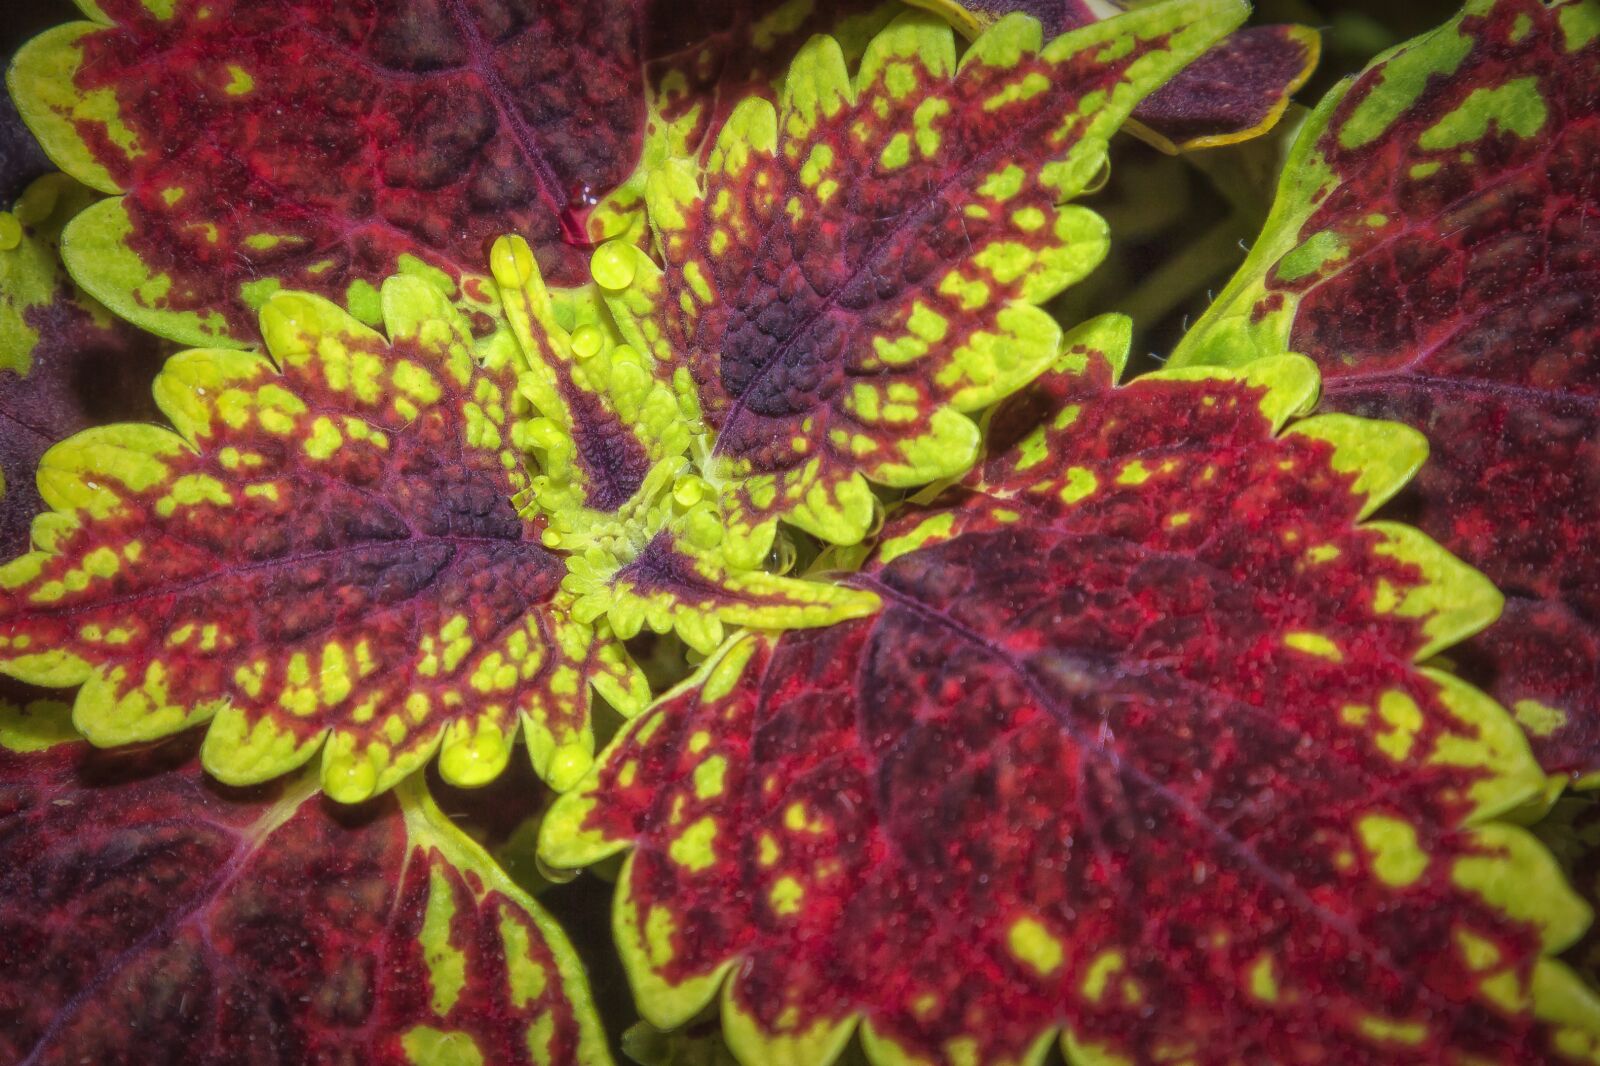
65, 362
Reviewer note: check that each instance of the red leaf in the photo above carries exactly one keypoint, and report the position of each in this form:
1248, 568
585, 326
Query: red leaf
1138, 747
149, 915
326, 548
853, 270
1433, 249
1236, 91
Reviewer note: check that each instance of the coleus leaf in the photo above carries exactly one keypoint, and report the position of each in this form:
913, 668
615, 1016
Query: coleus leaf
64, 361
1236, 91
850, 271
323, 147
642, 532
147, 914
1140, 747
326, 548
1432, 249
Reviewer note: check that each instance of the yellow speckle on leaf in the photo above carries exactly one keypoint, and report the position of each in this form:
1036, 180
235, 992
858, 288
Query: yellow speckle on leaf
1105, 966
1397, 857
1314, 644
694, 848
1079, 483
1264, 979
1539, 719
785, 896
1404, 719
239, 81
1035, 946
708, 777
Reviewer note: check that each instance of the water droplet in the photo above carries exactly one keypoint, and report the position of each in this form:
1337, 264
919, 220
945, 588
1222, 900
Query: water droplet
689, 490
587, 341
10, 231
613, 266
512, 262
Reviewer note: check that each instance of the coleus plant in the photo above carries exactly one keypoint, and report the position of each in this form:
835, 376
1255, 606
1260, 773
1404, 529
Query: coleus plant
1019, 708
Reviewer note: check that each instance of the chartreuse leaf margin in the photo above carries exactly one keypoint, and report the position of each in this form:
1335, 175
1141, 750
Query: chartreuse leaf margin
1143, 748
851, 273
1236, 91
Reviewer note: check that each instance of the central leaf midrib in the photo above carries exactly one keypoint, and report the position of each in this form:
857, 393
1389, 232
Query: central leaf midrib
1225, 840
907, 219
1406, 379
480, 60
227, 572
